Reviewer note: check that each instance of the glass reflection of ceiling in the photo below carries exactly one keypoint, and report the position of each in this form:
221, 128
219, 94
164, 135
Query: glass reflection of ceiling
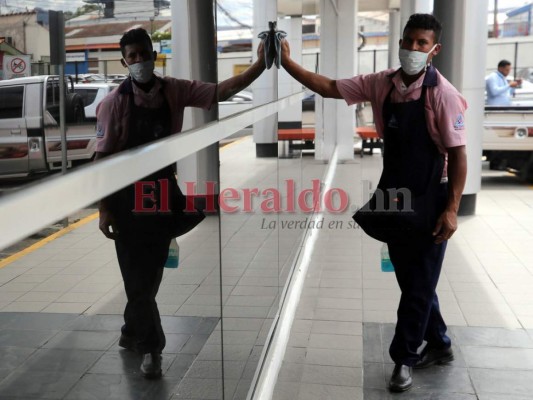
123, 8
234, 13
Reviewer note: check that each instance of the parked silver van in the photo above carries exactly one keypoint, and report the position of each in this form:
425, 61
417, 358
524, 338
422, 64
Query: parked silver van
30, 140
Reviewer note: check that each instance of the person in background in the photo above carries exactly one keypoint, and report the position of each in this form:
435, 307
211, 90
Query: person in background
144, 108
420, 115
499, 90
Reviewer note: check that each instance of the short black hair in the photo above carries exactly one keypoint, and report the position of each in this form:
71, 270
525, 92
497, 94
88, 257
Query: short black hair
137, 35
503, 63
424, 21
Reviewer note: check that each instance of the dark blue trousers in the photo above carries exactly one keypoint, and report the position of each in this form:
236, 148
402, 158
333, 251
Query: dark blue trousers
141, 264
417, 267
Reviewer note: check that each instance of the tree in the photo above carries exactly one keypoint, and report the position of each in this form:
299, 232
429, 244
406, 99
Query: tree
158, 36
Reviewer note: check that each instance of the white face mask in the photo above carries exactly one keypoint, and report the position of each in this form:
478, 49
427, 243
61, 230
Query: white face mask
413, 62
142, 72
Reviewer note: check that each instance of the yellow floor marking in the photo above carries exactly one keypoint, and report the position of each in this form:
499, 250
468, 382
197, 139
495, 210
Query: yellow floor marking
224, 147
41, 243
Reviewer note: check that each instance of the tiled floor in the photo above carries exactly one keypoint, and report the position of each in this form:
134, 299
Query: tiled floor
489, 362
484, 291
78, 274
71, 356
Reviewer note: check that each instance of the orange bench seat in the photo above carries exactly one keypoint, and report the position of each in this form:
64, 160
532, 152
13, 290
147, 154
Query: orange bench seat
364, 132
296, 134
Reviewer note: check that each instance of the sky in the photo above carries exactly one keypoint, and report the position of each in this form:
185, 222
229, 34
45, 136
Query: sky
508, 4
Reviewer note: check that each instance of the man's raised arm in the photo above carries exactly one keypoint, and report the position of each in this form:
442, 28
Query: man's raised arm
320, 84
235, 84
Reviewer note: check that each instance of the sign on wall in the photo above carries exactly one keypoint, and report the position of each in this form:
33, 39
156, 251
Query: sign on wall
76, 57
16, 66
166, 46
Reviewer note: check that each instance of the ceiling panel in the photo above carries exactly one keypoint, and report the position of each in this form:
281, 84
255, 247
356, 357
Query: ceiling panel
311, 7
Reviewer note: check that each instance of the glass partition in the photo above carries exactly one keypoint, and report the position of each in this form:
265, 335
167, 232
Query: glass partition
235, 34
77, 309
249, 211
69, 289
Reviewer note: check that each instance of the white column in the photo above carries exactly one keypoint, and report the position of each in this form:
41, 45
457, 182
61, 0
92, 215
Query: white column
346, 68
326, 109
395, 34
194, 57
335, 122
265, 88
462, 62
291, 116
409, 7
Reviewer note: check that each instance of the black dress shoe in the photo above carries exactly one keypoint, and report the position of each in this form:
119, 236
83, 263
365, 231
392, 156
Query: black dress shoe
401, 379
151, 366
430, 357
128, 342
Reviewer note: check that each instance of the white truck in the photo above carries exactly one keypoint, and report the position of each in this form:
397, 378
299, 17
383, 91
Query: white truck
508, 139
30, 139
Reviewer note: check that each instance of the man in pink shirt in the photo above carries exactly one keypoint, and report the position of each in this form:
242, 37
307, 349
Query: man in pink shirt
420, 115
142, 109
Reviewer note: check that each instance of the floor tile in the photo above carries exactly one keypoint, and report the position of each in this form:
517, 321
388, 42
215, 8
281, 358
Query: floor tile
80, 340
208, 389
67, 308
38, 321
414, 394
13, 357
96, 323
120, 387
511, 383
286, 391
329, 375
338, 358
38, 384
24, 338
57, 360
496, 337
180, 365
501, 358
25, 306
329, 392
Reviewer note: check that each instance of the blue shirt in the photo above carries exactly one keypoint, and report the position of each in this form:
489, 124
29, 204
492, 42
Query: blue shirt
498, 90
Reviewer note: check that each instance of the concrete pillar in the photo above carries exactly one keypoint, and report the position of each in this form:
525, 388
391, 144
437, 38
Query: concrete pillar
346, 67
409, 7
395, 34
194, 50
265, 88
335, 122
291, 117
462, 62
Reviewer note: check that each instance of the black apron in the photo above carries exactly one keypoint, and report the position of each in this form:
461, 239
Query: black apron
157, 209
409, 197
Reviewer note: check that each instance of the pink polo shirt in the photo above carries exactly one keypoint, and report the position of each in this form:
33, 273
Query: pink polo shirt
445, 106
113, 112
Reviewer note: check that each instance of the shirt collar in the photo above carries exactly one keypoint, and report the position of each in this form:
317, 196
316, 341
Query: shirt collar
501, 75
405, 90
137, 91
128, 87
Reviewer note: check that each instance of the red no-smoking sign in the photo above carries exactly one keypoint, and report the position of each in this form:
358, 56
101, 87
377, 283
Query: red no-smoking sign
18, 66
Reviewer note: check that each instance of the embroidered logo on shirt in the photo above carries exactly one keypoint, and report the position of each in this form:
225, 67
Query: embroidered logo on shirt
99, 131
393, 123
459, 123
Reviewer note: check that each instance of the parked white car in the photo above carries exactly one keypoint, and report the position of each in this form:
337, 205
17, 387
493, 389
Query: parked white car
92, 94
238, 102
